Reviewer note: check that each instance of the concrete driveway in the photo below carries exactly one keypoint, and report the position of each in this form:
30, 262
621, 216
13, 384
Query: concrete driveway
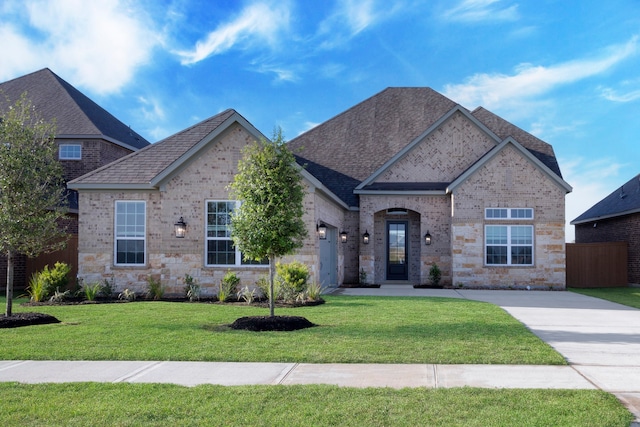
600, 339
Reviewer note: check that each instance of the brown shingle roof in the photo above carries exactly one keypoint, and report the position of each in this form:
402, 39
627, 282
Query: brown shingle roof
75, 113
142, 167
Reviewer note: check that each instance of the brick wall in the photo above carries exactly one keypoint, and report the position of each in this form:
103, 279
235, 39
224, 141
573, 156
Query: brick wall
508, 180
621, 229
95, 153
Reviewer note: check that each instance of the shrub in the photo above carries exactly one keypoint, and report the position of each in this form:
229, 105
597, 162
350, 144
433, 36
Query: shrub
292, 279
60, 296
108, 288
155, 290
228, 286
191, 288
314, 291
362, 277
91, 291
127, 295
44, 283
248, 295
435, 274
263, 285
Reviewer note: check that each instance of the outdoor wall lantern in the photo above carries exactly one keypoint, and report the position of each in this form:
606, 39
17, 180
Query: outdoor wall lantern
365, 237
343, 236
427, 238
322, 231
180, 228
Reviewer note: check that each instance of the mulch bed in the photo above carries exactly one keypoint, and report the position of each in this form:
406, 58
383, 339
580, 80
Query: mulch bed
269, 323
26, 319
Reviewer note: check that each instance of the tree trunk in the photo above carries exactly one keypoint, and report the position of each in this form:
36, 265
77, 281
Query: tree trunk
272, 269
9, 310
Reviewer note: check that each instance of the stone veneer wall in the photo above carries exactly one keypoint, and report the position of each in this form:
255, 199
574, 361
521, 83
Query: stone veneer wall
426, 213
169, 259
509, 180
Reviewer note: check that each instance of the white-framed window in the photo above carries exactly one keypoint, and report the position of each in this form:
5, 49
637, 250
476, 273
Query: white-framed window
70, 152
508, 244
130, 232
508, 213
220, 249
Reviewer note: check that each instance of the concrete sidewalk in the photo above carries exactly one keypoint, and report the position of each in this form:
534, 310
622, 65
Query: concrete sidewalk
599, 339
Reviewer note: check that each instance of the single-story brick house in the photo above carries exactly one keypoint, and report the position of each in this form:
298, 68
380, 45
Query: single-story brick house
405, 179
616, 218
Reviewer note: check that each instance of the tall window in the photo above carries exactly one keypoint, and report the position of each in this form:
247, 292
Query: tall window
220, 247
509, 244
70, 152
130, 235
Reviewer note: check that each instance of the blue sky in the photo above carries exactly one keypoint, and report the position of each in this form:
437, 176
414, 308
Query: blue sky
566, 71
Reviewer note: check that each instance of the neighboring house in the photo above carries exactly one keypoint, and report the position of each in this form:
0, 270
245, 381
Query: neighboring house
420, 178
616, 218
87, 135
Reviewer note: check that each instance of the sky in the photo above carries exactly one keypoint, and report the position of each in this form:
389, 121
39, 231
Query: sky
567, 71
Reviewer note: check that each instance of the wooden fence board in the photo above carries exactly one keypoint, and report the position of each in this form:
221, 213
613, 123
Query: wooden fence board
597, 265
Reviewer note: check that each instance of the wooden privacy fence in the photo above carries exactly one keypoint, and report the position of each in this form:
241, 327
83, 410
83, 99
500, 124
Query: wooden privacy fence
68, 255
597, 265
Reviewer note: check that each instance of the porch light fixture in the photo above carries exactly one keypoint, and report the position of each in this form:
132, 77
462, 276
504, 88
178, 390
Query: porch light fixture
180, 228
343, 236
322, 231
427, 238
365, 237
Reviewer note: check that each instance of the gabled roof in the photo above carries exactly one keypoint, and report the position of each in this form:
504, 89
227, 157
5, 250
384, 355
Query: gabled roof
147, 168
349, 150
75, 114
525, 152
623, 201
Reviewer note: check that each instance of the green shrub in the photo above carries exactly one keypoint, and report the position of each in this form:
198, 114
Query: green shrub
43, 284
263, 285
294, 275
155, 289
248, 295
191, 288
314, 291
59, 296
362, 277
435, 274
228, 286
37, 289
91, 291
108, 287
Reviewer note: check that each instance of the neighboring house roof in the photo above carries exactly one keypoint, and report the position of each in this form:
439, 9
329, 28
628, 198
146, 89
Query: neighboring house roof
348, 151
75, 114
146, 168
623, 201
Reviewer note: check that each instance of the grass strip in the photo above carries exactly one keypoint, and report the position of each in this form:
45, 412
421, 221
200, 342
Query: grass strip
352, 330
626, 296
82, 404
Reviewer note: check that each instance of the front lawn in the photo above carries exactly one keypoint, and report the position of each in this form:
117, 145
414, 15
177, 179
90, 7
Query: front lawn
625, 296
81, 404
352, 330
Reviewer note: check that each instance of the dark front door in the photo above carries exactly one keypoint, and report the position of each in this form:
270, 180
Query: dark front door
397, 250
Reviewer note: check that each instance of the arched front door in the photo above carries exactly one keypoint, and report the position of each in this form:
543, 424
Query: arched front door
397, 250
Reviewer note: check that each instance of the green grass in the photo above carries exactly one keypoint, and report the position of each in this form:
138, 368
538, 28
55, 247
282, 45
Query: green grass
81, 404
626, 296
352, 330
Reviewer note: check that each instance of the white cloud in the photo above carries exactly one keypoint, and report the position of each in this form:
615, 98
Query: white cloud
151, 109
615, 96
500, 90
482, 11
257, 23
97, 45
592, 181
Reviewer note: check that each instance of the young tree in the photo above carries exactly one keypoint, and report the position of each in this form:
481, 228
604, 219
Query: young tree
32, 191
268, 223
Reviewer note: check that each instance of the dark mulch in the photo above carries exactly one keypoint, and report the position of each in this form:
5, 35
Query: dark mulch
268, 323
428, 287
26, 319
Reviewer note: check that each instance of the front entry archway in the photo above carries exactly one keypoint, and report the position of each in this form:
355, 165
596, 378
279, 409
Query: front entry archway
397, 250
